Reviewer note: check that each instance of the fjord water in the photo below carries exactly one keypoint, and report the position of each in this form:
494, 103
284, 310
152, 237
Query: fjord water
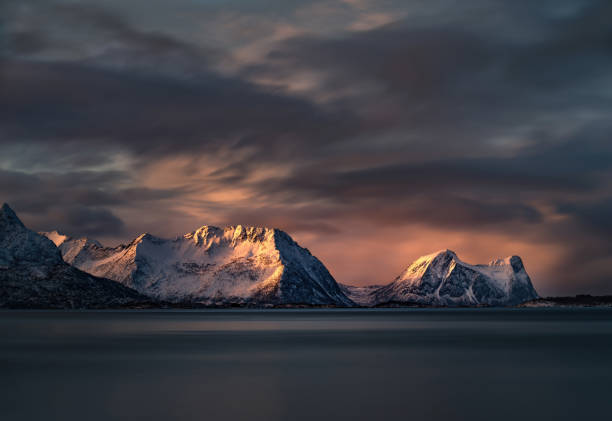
424, 364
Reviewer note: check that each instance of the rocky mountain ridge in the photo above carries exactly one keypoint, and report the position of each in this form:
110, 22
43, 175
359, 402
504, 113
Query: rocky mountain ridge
34, 275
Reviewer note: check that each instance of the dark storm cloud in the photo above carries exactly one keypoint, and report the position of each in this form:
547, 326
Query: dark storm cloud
151, 115
462, 191
87, 188
77, 203
26, 42
91, 33
596, 216
144, 92
87, 221
448, 211
455, 80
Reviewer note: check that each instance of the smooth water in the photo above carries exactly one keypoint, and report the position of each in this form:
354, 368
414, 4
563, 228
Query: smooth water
464, 364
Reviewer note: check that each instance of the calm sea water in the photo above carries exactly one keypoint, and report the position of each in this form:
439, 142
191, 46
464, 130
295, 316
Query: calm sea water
464, 364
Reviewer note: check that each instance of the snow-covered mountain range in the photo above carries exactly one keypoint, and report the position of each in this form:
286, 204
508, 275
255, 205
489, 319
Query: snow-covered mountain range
442, 279
34, 275
235, 265
215, 266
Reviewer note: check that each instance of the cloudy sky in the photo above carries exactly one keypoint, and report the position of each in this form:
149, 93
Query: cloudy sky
372, 131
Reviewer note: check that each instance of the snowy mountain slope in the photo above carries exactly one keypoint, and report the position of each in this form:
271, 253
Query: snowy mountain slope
33, 274
232, 265
72, 248
361, 295
443, 279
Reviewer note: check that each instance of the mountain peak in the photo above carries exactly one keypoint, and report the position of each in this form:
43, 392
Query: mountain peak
235, 264
444, 252
251, 233
515, 262
8, 217
208, 235
441, 278
20, 246
439, 259
143, 236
